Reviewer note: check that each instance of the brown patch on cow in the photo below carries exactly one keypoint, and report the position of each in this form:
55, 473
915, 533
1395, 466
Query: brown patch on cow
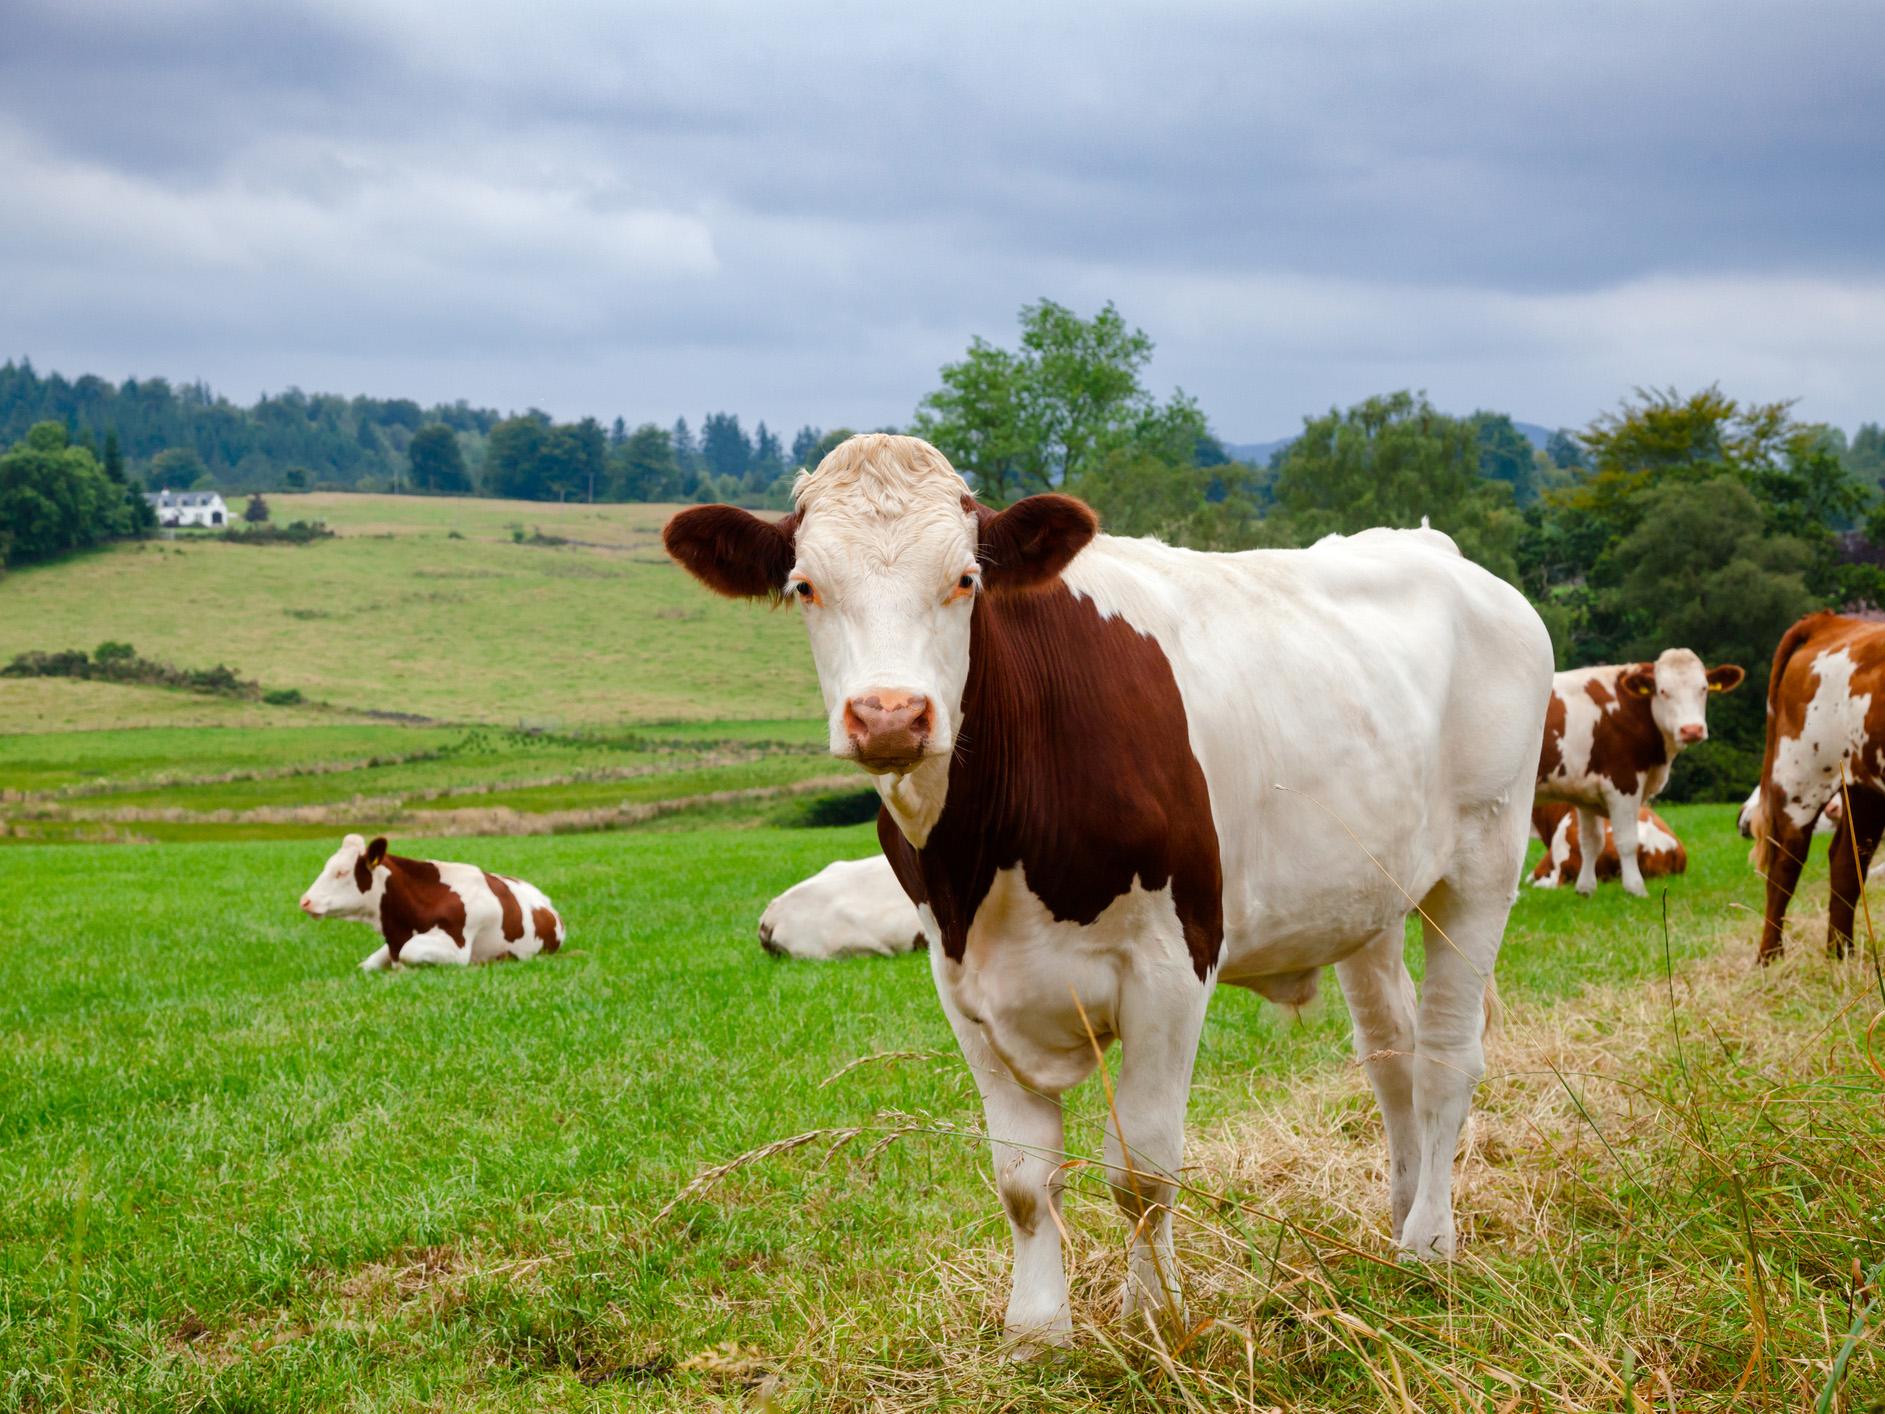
1598, 691
919, 943
544, 921
1075, 764
1780, 846
506, 900
416, 901
1626, 744
1552, 756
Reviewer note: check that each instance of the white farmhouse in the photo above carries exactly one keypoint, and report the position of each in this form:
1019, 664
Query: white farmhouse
184, 508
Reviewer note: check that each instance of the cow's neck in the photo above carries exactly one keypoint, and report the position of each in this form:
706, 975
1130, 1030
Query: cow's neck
915, 801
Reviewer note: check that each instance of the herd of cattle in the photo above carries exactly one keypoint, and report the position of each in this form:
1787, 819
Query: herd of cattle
1115, 774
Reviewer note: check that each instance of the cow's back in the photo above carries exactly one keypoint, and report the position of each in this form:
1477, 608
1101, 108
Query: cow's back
1354, 706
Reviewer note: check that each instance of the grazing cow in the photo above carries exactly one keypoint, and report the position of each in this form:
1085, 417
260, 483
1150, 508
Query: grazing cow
850, 908
1115, 773
430, 911
1611, 733
1825, 744
1825, 825
1658, 851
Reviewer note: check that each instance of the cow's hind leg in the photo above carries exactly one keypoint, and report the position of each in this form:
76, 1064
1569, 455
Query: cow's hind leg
1381, 1007
1590, 844
1161, 1016
1782, 851
378, 960
1462, 923
1624, 832
1853, 845
1028, 1138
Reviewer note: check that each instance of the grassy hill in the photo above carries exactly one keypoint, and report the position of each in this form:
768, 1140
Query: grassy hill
426, 606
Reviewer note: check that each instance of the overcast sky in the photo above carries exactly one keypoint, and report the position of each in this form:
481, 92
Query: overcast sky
799, 212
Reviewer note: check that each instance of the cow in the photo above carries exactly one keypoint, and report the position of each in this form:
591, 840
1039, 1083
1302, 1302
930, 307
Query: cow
1611, 733
1658, 851
1115, 773
850, 908
432, 911
1828, 822
1825, 746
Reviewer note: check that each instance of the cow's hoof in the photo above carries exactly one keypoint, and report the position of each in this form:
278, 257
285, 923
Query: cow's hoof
1137, 1303
1426, 1244
1022, 1347
1636, 891
1585, 890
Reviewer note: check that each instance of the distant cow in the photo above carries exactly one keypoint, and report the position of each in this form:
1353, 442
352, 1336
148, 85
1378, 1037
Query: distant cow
1658, 851
1825, 731
850, 908
1829, 820
1611, 733
431, 911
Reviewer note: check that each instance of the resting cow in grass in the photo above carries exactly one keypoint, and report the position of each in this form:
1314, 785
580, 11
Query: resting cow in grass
1658, 851
850, 908
1115, 773
1611, 733
431, 911
1825, 748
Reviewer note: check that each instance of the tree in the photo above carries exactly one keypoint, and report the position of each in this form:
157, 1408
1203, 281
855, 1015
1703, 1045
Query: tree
55, 497
1564, 451
437, 461
724, 447
176, 469
512, 458
644, 469
804, 441
1865, 454
1505, 454
114, 459
1042, 415
686, 454
1392, 461
768, 463
256, 511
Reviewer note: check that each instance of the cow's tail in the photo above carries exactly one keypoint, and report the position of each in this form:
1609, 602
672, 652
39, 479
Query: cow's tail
1758, 827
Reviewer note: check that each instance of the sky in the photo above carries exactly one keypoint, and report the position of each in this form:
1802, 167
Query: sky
800, 212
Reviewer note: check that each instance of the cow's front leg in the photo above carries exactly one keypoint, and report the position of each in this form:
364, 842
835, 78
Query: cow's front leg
378, 960
1381, 1004
1623, 812
1028, 1139
1160, 1019
434, 945
1590, 844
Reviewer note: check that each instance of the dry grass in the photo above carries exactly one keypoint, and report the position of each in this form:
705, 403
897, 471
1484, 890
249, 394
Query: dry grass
1669, 1197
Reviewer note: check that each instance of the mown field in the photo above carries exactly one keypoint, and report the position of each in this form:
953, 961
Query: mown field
236, 1174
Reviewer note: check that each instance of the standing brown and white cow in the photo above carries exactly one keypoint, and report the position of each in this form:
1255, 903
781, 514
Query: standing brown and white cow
1825, 738
1658, 851
1611, 734
1115, 773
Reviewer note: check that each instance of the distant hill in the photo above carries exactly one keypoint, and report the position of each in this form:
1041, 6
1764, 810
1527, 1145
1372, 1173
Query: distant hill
1259, 453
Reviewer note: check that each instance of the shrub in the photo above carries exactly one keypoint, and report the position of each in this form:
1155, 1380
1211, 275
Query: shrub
283, 697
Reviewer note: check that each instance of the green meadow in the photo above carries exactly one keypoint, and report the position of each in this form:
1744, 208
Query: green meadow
661, 1170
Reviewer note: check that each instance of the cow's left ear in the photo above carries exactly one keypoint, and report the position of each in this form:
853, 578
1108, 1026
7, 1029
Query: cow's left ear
1031, 542
376, 852
1641, 680
733, 552
1726, 678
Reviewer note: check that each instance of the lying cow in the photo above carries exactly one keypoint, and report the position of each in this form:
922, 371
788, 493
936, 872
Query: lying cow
1658, 851
850, 908
1115, 773
1825, 746
1611, 733
430, 911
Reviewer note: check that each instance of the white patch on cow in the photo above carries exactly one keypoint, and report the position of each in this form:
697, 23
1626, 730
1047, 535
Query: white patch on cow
1807, 767
850, 908
1652, 838
1558, 850
1581, 715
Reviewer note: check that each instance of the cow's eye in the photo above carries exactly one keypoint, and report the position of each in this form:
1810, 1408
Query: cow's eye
966, 582
803, 588
965, 586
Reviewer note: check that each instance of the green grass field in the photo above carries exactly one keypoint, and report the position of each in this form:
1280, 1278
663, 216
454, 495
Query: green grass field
236, 1174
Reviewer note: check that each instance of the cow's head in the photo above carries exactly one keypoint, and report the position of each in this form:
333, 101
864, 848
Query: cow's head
884, 556
1677, 686
349, 883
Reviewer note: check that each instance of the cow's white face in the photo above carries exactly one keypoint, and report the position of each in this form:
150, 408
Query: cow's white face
885, 557
348, 885
1678, 687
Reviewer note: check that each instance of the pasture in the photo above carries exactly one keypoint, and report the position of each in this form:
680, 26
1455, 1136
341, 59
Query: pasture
661, 1170
237, 1174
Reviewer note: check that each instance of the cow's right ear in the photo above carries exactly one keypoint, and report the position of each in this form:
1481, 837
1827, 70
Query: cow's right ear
376, 852
1031, 542
731, 551
1641, 680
